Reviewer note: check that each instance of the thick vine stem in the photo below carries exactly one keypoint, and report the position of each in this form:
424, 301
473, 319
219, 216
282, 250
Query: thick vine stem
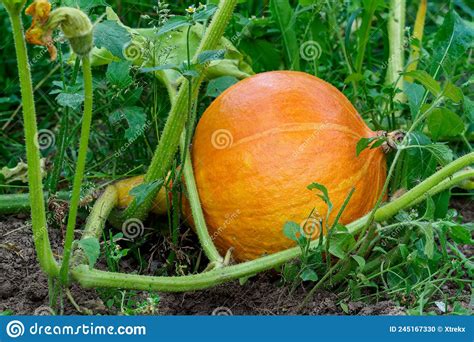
199, 221
96, 221
396, 26
388, 210
94, 278
80, 167
417, 34
174, 126
38, 214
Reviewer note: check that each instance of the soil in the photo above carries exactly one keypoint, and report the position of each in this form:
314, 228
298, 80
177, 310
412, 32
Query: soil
24, 290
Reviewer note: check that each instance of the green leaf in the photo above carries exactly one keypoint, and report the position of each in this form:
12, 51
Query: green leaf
190, 73
452, 92
73, 101
362, 144
284, 16
419, 162
110, 35
91, 248
428, 250
171, 52
354, 77
291, 230
142, 191
443, 154
460, 234
426, 80
444, 123
324, 191
414, 93
160, 67
174, 23
453, 39
205, 14
264, 55
210, 55
84, 5
340, 244
136, 120
372, 143
132, 96
307, 2
118, 74
430, 210
360, 261
290, 271
309, 275
218, 85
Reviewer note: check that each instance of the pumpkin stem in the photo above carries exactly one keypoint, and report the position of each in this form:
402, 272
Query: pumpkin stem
392, 139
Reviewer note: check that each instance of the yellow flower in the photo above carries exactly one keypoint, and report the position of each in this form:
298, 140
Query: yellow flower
74, 23
191, 9
38, 34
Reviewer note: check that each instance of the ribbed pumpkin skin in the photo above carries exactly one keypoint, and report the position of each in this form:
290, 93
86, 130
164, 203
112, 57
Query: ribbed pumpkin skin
288, 130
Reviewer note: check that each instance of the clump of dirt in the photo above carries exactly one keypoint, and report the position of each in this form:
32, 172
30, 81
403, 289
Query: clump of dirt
262, 295
23, 286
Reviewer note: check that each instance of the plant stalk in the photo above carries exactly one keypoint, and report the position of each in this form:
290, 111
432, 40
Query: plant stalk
198, 216
96, 221
174, 126
38, 213
80, 167
396, 26
21, 203
417, 34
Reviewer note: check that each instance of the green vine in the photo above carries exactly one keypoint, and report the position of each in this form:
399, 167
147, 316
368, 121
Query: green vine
38, 213
94, 278
178, 115
80, 167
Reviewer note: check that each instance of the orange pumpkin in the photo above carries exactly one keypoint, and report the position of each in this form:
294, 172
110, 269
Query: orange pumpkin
124, 186
262, 142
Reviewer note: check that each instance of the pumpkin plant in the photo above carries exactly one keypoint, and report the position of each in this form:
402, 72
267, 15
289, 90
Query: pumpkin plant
245, 162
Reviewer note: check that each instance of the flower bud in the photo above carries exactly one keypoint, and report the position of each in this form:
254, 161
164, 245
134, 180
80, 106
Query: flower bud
74, 23
76, 26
